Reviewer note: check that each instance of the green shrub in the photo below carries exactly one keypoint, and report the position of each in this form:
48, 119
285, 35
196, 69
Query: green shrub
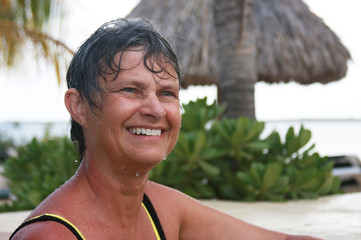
40, 168
5, 145
227, 159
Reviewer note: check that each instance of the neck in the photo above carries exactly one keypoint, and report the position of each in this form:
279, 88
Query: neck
116, 190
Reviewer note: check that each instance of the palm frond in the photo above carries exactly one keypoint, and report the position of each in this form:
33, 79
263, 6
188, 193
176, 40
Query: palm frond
22, 31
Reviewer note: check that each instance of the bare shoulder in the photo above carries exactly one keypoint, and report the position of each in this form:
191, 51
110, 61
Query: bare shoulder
169, 197
165, 199
171, 207
176, 198
160, 190
44, 230
54, 206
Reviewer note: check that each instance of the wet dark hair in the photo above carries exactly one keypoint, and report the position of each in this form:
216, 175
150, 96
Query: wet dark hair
95, 59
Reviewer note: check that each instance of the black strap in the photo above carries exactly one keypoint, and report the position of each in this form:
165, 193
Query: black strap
43, 218
148, 204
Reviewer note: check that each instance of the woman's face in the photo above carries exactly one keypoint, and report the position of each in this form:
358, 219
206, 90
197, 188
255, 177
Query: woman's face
140, 119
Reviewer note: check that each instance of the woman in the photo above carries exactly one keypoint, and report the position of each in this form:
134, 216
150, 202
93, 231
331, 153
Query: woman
123, 98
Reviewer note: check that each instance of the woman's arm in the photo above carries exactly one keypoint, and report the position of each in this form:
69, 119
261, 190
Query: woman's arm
200, 222
203, 222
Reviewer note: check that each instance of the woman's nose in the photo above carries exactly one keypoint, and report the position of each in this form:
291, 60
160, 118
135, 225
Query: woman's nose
152, 107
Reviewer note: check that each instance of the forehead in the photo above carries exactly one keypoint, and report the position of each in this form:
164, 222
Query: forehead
129, 59
130, 64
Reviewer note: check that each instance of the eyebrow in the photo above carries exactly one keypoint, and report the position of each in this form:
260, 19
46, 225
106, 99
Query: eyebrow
169, 84
135, 81
127, 81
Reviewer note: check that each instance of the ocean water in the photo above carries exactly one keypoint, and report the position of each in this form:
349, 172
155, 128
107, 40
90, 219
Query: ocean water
331, 137
23, 132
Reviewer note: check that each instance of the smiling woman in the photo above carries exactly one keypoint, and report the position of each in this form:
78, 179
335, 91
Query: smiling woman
123, 99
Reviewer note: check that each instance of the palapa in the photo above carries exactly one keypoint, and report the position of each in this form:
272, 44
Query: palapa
293, 44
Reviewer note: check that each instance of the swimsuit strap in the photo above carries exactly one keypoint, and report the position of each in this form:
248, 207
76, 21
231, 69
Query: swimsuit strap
147, 205
51, 217
152, 214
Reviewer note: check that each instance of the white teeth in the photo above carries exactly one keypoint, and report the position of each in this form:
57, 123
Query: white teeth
146, 131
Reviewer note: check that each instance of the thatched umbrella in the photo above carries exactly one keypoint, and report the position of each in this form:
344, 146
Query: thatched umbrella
292, 43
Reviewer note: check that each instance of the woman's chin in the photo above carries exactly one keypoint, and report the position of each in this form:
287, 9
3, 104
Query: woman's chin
148, 160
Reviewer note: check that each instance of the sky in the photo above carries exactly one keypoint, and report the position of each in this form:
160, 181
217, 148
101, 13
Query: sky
30, 93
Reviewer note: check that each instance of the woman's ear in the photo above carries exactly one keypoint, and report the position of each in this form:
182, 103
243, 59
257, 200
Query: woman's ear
75, 105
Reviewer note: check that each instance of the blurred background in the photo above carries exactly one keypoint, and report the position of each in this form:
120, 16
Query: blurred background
31, 97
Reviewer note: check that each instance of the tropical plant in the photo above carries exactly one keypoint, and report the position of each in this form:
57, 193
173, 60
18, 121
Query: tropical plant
23, 29
228, 159
39, 168
240, 138
198, 114
5, 145
264, 182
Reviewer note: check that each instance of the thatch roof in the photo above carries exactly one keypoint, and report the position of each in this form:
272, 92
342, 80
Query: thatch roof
293, 44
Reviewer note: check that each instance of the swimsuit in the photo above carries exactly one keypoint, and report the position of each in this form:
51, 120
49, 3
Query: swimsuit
147, 205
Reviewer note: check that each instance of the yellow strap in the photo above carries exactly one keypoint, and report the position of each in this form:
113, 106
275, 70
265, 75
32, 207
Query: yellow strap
76, 229
59, 217
151, 221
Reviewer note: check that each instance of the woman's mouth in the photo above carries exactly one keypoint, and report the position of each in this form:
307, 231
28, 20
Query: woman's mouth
145, 131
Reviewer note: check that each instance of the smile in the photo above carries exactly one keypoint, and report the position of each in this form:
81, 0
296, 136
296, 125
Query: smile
145, 131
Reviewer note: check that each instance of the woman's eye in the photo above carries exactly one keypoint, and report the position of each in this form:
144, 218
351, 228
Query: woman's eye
168, 94
129, 90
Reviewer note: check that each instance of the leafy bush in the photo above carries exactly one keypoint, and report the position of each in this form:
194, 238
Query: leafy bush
40, 168
227, 159
5, 145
